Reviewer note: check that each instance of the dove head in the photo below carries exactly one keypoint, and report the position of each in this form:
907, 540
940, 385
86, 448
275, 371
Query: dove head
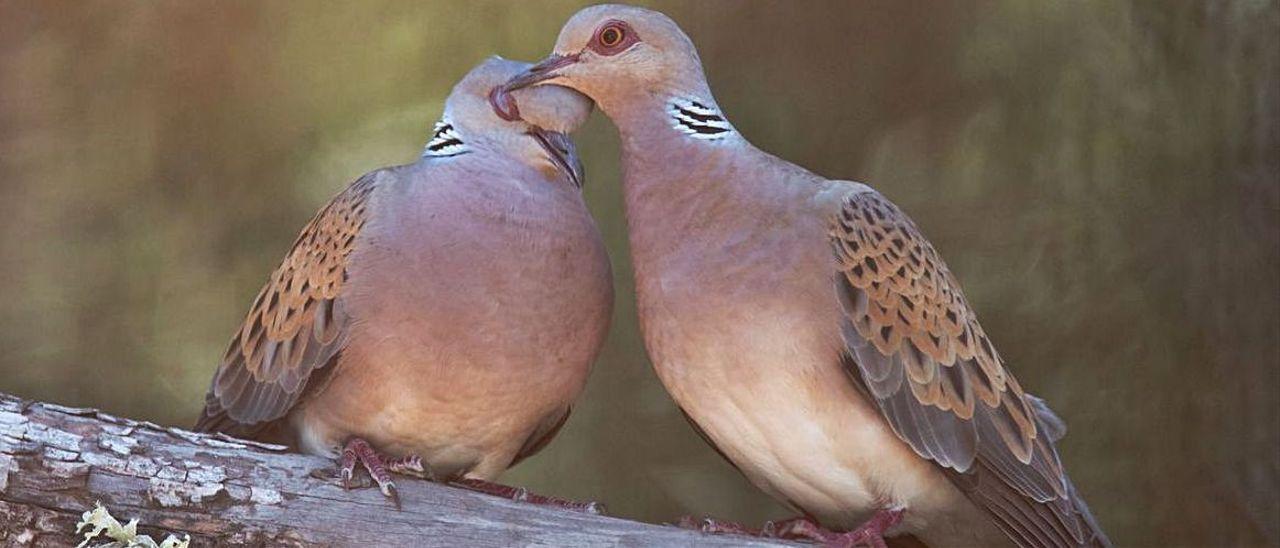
616, 55
539, 138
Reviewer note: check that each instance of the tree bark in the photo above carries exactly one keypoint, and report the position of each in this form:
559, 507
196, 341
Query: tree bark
56, 461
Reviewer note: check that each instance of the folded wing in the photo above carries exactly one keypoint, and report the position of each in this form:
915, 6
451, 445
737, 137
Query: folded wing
296, 326
915, 345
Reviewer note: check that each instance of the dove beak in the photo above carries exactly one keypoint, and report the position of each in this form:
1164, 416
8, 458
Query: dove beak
562, 153
549, 68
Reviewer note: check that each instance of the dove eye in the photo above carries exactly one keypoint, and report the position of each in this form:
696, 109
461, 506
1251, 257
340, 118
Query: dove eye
613, 37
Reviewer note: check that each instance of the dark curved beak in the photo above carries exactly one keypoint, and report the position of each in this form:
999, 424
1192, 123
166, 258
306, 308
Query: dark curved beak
562, 152
545, 70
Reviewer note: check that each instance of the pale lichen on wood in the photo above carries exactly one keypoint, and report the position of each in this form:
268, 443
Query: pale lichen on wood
56, 462
98, 525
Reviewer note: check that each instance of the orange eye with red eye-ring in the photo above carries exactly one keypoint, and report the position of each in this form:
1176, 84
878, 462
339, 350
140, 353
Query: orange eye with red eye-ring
612, 38
612, 35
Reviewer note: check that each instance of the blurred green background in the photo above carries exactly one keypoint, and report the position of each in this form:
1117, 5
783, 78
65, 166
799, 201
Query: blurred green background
1103, 176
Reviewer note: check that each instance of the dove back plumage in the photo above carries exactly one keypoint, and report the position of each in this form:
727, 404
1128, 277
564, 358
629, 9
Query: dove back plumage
806, 325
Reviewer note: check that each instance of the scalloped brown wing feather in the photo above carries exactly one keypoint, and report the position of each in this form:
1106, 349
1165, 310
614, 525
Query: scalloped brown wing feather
296, 325
920, 353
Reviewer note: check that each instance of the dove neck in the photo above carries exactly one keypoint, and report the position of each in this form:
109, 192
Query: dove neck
677, 188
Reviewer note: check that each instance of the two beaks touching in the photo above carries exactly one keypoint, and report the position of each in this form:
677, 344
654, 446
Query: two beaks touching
439, 318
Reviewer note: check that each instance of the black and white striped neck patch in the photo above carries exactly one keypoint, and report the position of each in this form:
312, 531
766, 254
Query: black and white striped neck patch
445, 142
698, 120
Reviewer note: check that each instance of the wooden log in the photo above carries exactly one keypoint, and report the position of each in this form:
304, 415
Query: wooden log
56, 462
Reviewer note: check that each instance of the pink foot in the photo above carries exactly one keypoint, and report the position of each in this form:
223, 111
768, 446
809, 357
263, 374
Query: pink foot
714, 526
521, 494
869, 534
379, 467
409, 466
797, 528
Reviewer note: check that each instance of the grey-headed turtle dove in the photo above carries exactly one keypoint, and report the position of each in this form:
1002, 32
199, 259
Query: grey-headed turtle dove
436, 318
806, 326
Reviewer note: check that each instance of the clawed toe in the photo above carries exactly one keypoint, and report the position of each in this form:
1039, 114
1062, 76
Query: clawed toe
357, 453
411, 466
345, 476
801, 528
594, 508
869, 534
521, 494
390, 491
379, 468
714, 526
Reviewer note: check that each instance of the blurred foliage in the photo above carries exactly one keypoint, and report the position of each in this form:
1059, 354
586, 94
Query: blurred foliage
1103, 176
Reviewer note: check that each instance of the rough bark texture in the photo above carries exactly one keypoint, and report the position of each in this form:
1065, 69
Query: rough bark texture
55, 462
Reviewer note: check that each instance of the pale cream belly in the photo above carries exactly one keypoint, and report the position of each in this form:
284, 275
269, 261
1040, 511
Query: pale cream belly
797, 427
459, 414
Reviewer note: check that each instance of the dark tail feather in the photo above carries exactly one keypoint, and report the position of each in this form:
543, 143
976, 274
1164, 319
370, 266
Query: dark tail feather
1097, 538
